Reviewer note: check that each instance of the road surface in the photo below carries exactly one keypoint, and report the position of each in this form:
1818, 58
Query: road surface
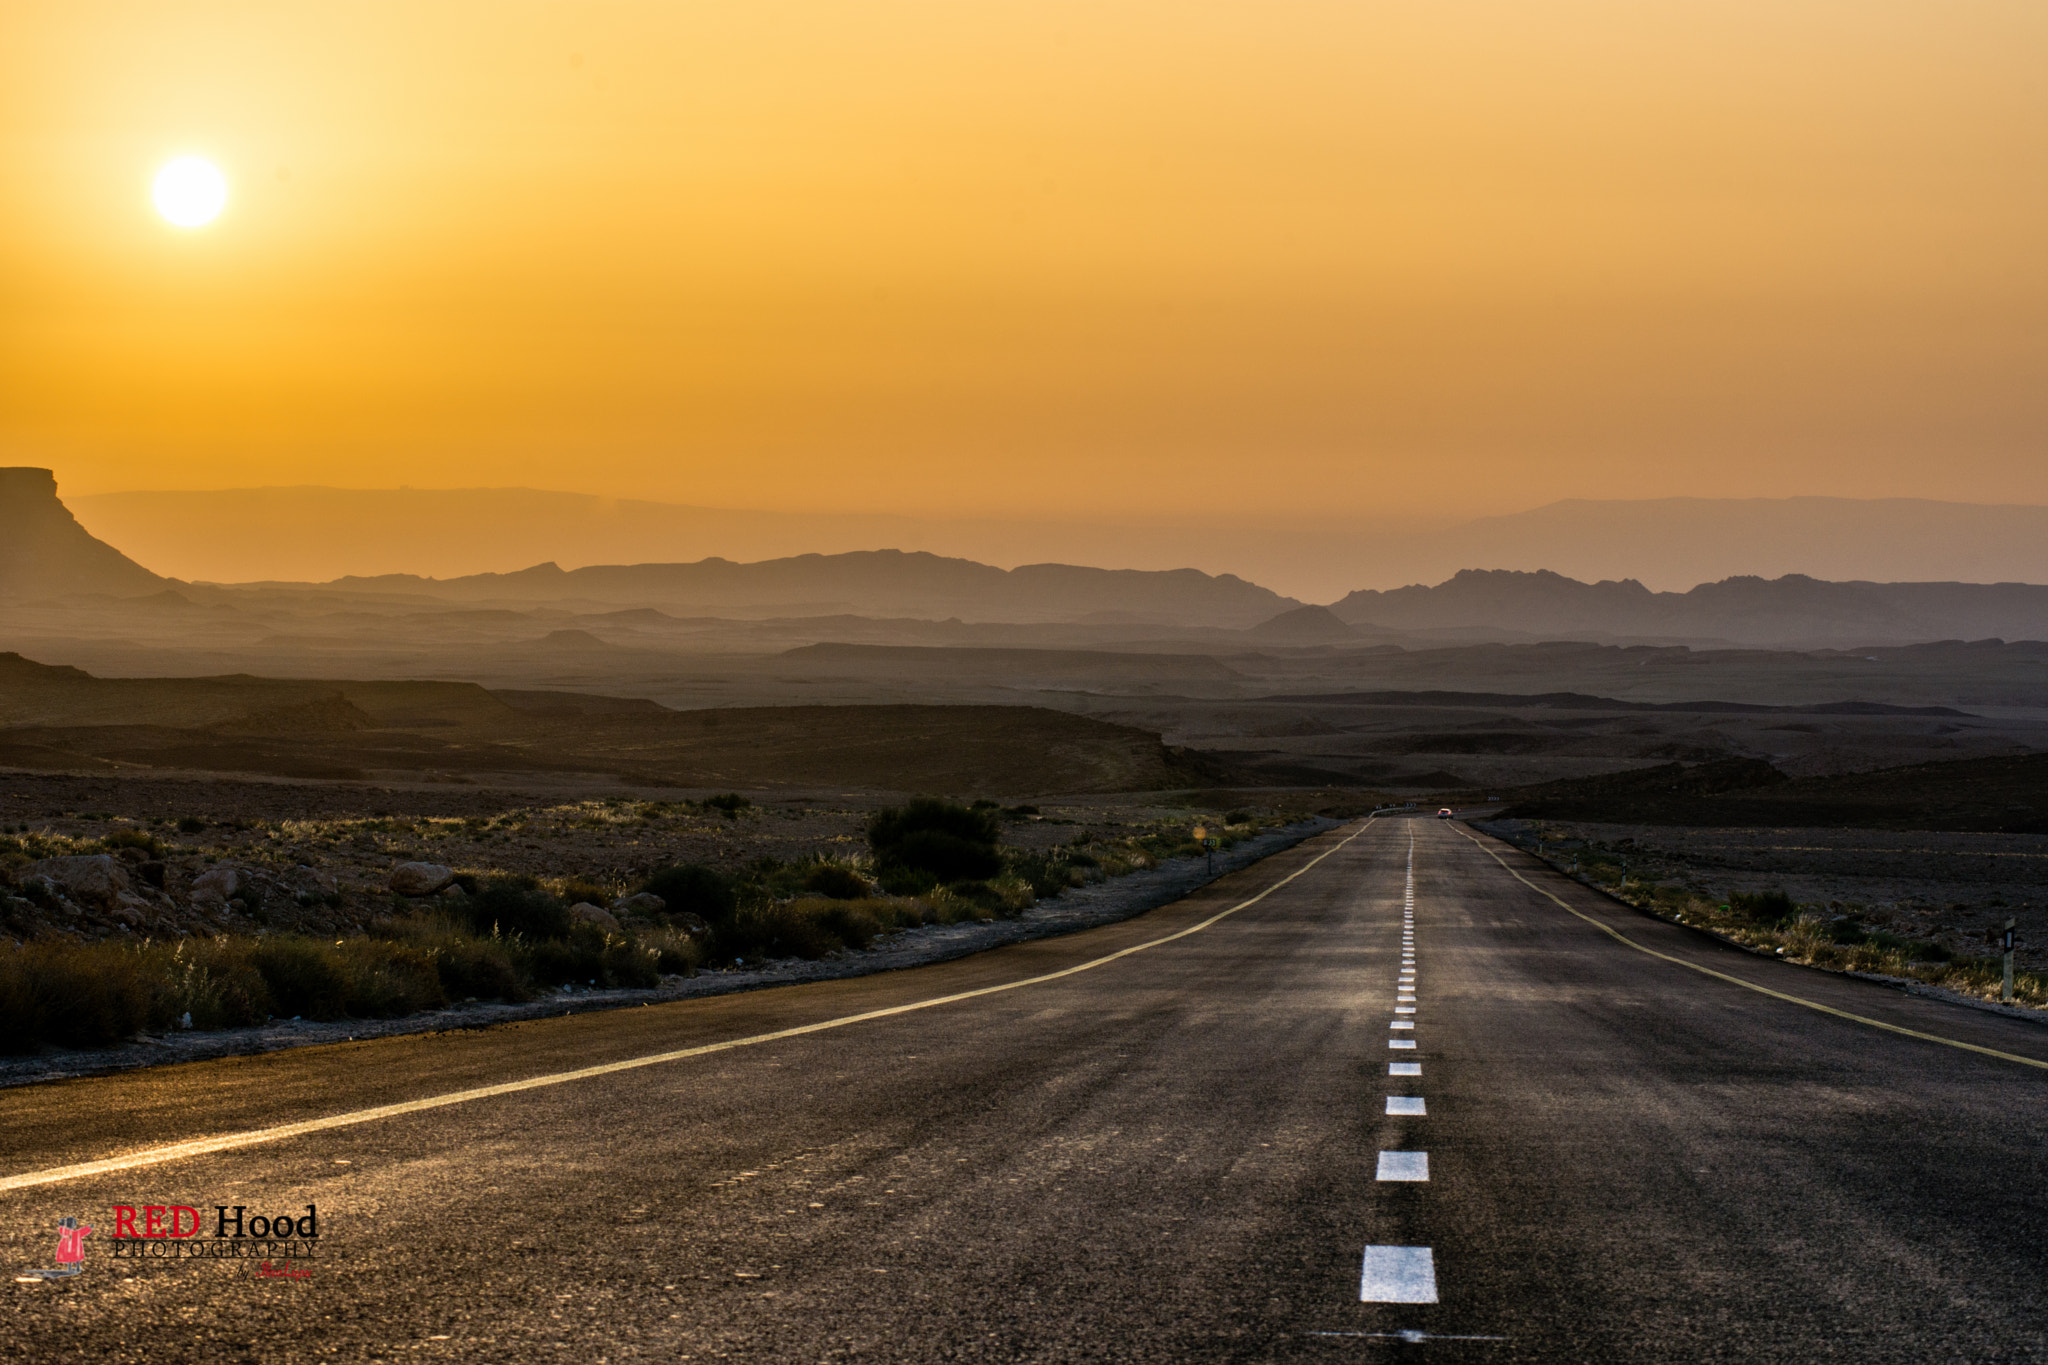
1195, 1151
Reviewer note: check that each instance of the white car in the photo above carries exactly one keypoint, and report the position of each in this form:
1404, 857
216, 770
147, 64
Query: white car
1444, 813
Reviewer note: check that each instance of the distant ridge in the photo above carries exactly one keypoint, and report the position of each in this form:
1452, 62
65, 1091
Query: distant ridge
1793, 611
45, 553
872, 583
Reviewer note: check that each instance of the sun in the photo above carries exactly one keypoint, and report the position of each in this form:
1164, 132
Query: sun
190, 192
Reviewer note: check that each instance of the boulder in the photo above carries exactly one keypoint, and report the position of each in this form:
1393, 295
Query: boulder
587, 913
218, 885
132, 910
420, 879
645, 903
93, 880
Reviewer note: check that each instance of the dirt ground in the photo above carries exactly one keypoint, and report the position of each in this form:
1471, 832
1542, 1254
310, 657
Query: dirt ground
1950, 888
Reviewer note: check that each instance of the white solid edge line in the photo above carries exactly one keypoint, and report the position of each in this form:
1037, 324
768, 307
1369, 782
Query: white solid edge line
227, 1141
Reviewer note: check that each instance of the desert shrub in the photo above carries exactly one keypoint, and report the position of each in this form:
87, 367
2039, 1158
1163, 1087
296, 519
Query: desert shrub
729, 804
1238, 817
516, 905
948, 841
478, 968
836, 881
302, 979
563, 962
577, 889
675, 952
1046, 877
384, 980
694, 889
133, 838
1765, 907
190, 824
73, 995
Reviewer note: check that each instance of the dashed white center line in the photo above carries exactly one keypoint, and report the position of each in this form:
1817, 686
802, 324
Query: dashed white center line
1404, 1068
1404, 1009
1405, 1104
1402, 1023
1400, 1042
1409, 1166
1398, 1275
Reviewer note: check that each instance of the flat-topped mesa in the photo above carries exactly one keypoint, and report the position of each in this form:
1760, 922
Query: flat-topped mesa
45, 553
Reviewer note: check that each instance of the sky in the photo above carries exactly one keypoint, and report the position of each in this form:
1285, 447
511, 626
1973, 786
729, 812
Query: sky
1122, 260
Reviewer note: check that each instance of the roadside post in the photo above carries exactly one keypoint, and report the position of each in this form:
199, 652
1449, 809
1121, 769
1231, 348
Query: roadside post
1208, 843
2006, 993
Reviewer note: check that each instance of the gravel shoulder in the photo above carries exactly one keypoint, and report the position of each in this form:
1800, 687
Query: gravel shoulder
1086, 907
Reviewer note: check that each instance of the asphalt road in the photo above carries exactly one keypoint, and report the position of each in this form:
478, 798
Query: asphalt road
1175, 1155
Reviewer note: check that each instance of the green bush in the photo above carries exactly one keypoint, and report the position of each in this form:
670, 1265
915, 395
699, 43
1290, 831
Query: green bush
516, 905
694, 889
948, 841
1764, 907
835, 881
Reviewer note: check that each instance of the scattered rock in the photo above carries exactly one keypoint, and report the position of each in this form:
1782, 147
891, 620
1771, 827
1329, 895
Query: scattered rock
593, 914
645, 903
92, 880
218, 885
132, 910
451, 893
420, 879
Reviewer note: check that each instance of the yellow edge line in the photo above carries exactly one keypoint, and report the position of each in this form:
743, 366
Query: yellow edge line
1618, 937
205, 1146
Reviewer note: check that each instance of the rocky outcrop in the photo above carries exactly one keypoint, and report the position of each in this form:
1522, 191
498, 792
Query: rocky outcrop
644, 903
420, 879
585, 913
45, 553
218, 885
95, 881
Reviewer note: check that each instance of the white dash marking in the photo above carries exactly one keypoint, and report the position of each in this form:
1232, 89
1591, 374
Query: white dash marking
1400, 1042
1402, 1023
1405, 1104
1404, 1068
1405, 1009
1408, 1166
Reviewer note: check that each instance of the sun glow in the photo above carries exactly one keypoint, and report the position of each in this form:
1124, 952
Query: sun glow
190, 192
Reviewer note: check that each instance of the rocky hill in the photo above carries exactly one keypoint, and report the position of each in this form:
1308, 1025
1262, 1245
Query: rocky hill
45, 553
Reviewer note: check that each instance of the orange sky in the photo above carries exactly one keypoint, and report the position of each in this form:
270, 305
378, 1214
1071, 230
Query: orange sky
1035, 259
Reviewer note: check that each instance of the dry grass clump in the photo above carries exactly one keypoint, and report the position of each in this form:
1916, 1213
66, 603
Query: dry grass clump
1812, 936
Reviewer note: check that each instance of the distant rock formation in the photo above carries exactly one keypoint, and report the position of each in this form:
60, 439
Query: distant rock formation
45, 553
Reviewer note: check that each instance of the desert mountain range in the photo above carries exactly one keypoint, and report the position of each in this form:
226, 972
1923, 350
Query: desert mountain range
46, 555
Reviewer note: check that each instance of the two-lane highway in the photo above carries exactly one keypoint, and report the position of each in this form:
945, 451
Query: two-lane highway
1186, 1137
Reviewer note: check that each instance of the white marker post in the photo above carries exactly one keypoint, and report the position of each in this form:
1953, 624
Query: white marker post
2006, 994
